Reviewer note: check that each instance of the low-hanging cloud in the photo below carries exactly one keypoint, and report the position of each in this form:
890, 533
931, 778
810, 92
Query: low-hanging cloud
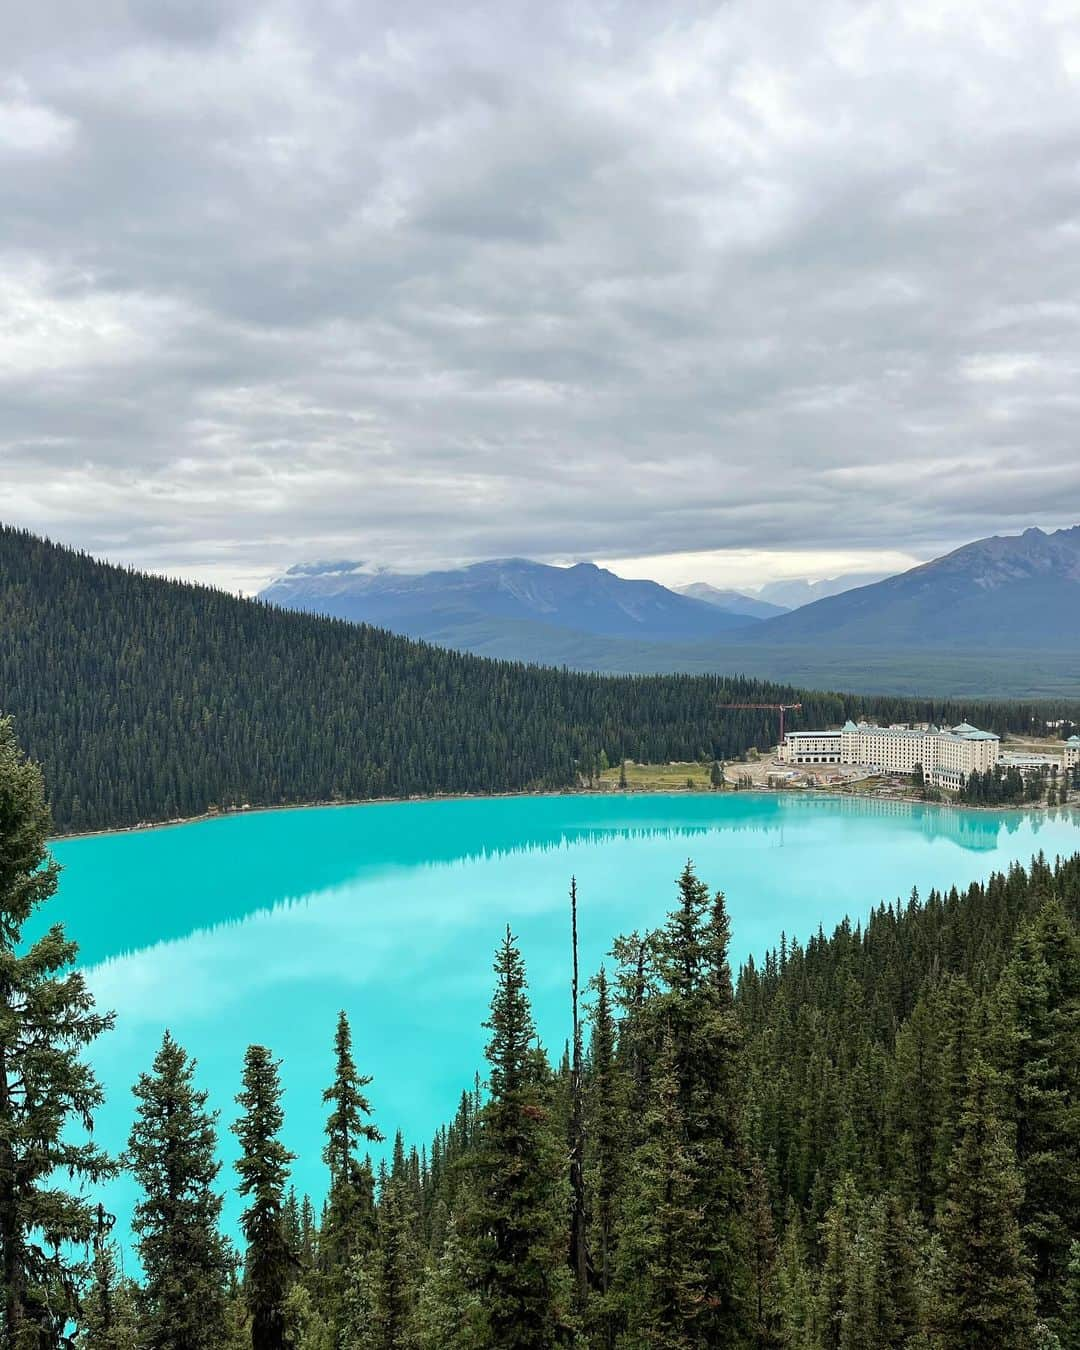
419, 284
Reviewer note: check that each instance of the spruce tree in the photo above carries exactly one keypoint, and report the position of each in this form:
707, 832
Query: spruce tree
838, 1246
578, 1245
1040, 1050
987, 1297
449, 1315
108, 1319
45, 1087
514, 1234
662, 1274
171, 1154
348, 1229
1070, 1301
394, 1267
764, 1326
797, 1304
263, 1165
696, 1011
608, 1141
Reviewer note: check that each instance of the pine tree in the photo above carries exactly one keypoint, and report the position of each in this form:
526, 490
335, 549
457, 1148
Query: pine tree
696, 1010
449, 1315
896, 1243
49, 1019
263, 1167
578, 1246
661, 1274
108, 1317
797, 1304
607, 1137
1070, 1301
514, 1235
348, 1229
987, 1296
838, 1244
1040, 1053
762, 1260
171, 1155
394, 1266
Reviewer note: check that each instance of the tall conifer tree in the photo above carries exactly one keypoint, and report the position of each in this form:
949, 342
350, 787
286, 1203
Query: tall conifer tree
108, 1317
49, 1020
171, 1153
696, 1011
263, 1166
1040, 1035
662, 1275
348, 1229
513, 1226
987, 1296
608, 1136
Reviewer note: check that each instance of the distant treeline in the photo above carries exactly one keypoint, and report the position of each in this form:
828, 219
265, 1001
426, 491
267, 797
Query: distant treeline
870, 1141
147, 699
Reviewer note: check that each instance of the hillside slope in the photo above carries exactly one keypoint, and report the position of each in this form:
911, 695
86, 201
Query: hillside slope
583, 599
1002, 594
147, 699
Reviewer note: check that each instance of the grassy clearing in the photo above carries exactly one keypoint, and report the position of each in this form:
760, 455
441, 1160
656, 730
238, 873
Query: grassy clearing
660, 777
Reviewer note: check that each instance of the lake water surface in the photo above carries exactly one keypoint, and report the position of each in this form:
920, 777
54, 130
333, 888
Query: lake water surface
260, 927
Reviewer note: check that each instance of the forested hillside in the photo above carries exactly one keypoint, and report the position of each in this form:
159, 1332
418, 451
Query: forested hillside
147, 699
870, 1142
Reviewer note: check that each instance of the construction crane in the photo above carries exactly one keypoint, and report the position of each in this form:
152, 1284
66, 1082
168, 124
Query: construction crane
781, 708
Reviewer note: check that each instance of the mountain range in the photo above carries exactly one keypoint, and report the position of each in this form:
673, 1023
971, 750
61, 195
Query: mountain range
582, 599
1006, 592
995, 616
734, 602
794, 594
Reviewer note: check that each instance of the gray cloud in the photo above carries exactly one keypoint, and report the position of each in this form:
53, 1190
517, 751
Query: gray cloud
612, 279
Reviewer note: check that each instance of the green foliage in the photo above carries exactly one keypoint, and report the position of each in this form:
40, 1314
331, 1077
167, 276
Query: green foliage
348, 1230
450, 1314
263, 1167
171, 1153
512, 1228
47, 1022
662, 1274
108, 1319
149, 699
987, 1297
1038, 1045
692, 1012
899, 1100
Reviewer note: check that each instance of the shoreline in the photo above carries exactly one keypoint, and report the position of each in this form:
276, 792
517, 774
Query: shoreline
178, 822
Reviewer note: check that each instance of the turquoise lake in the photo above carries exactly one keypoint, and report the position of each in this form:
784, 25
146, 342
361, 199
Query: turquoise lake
260, 927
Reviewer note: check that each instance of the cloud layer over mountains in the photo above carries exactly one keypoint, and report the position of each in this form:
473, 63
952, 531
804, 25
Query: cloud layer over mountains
424, 283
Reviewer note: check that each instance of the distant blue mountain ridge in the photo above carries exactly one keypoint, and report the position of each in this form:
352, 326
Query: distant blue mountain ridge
583, 598
1002, 597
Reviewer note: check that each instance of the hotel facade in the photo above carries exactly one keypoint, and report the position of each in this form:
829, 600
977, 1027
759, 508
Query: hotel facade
947, 756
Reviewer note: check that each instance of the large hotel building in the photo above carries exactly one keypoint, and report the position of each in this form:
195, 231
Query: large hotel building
946, 755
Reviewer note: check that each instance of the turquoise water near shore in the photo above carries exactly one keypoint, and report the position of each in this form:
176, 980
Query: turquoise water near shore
259, 927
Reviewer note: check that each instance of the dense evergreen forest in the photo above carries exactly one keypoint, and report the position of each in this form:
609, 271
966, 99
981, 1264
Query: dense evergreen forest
867, 1142
148, 699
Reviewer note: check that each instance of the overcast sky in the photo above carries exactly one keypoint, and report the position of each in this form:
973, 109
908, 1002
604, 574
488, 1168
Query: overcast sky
790, 288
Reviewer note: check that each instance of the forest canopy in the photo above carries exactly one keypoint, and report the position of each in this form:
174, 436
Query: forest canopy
148, 699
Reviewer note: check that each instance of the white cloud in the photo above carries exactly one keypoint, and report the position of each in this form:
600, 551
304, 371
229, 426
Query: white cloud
415, 284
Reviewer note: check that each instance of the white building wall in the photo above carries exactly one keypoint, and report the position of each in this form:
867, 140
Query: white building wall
946, 757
